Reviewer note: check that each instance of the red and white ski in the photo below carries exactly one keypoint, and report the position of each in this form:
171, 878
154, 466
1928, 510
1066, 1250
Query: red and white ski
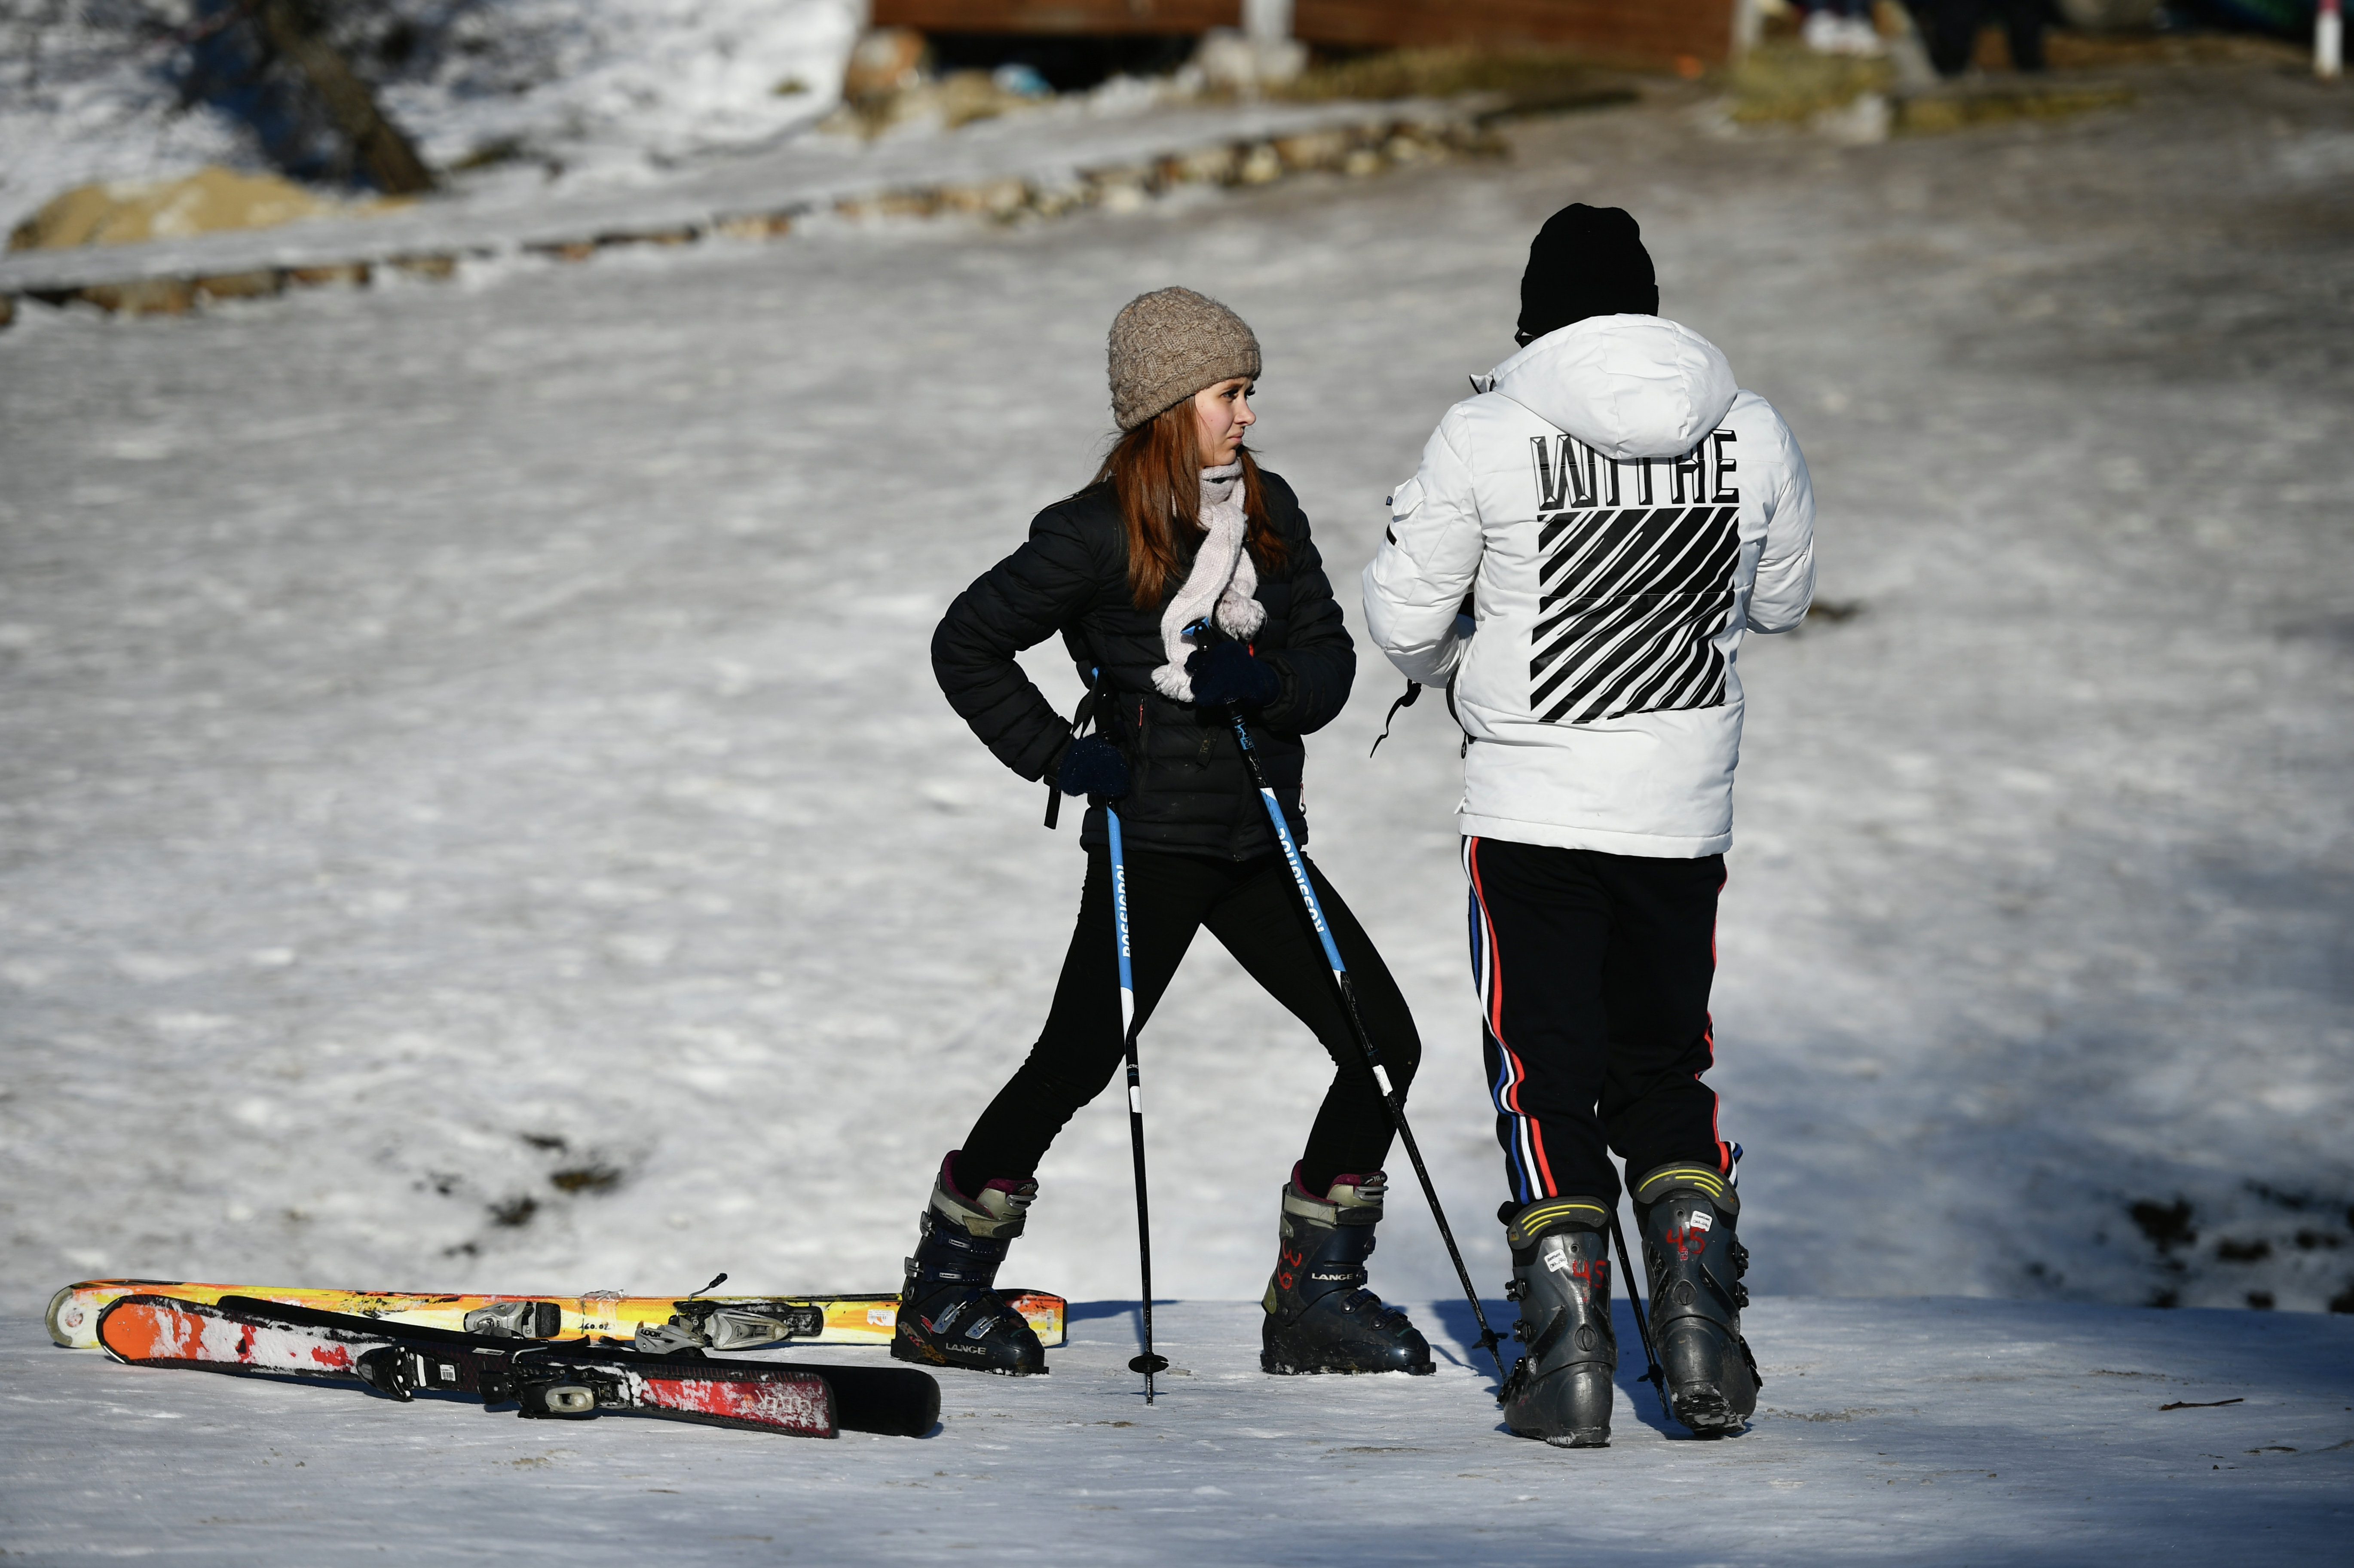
564, 1380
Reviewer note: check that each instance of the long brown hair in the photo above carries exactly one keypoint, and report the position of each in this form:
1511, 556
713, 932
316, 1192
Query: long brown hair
1156, 476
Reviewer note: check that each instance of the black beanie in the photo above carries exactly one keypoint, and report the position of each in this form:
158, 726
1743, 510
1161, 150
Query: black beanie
1585, 261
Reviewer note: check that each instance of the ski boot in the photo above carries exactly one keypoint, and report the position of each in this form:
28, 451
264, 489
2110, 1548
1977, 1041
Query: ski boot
949, 1315
1562, 1389
1320, 1316
1686, 1213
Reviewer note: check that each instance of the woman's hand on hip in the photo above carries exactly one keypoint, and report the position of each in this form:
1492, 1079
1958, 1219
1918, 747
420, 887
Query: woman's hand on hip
1091, 766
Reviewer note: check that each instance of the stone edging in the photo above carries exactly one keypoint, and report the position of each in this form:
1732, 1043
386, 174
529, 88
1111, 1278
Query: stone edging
1367, 146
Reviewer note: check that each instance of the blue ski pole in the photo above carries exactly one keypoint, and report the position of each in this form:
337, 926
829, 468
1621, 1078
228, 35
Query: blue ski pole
1148, 1364
1489, 1340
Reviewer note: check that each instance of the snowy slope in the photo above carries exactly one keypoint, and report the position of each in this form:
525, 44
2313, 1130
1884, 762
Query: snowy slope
1926, 1432
625, 86
605, 90
478, 813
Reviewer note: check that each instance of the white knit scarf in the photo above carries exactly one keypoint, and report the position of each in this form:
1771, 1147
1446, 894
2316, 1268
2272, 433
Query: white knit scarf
1223, 577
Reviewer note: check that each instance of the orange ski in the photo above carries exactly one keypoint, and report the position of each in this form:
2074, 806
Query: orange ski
714, 1323
248, 1338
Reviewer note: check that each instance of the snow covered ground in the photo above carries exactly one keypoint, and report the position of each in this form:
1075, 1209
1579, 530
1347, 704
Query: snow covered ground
477, 813
1933, 1432
607, 90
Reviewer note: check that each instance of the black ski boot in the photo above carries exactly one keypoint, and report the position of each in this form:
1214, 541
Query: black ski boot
1686, 1213
1320, 1316
1562, 1389
949, 1315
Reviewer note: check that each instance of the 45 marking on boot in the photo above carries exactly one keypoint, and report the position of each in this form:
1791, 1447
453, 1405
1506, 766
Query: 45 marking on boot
1691, 1239
1586, 1275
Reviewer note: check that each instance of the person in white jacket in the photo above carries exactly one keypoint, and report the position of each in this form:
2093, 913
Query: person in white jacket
1578, 558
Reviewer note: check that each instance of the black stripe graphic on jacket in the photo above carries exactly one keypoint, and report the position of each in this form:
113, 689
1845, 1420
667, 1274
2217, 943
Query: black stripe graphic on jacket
1632, 599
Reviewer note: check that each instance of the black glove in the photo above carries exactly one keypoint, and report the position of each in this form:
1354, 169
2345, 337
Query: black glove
1091, 766
1227, 672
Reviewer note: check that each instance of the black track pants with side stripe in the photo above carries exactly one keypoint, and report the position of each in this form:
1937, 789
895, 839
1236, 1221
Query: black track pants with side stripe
1594, 973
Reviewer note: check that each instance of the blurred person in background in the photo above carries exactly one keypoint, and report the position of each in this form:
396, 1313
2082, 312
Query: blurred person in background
1840, 27
1950, 28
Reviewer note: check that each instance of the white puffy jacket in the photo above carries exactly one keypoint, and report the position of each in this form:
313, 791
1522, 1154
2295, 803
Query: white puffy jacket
1623, 513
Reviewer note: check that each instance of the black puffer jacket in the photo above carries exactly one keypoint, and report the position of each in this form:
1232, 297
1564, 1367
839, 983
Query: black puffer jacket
1188, 791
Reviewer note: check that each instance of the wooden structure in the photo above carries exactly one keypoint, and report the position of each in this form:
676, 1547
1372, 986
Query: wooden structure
1103, 17
1638, 32
1635, 32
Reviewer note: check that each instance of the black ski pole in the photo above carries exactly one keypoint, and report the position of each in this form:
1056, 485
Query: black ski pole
1489, 1338
1148, 1364
1655, 1377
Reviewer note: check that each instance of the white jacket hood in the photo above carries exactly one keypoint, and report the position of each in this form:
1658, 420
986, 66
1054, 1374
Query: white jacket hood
1632, 387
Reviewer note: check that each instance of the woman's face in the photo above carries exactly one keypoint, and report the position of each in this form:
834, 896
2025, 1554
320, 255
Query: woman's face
1223, 413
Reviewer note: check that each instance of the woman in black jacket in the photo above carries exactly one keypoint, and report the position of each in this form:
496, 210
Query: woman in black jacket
1180, 526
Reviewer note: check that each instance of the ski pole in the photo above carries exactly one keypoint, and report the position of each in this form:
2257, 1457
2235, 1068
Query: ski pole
1655, 1377
1148, 1364
1488, 1339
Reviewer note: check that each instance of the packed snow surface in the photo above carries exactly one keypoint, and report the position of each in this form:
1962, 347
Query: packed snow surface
479, 815
1933, 1432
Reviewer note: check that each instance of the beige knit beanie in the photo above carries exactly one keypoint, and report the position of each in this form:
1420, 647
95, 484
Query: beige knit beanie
1169, 345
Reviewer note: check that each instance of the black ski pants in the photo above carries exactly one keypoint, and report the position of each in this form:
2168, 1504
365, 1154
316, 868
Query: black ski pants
1594, 973
1253, 909
1952, 28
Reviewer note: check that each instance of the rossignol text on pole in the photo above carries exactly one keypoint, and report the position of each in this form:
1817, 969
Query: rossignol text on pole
1148, 1364
1489, 1340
